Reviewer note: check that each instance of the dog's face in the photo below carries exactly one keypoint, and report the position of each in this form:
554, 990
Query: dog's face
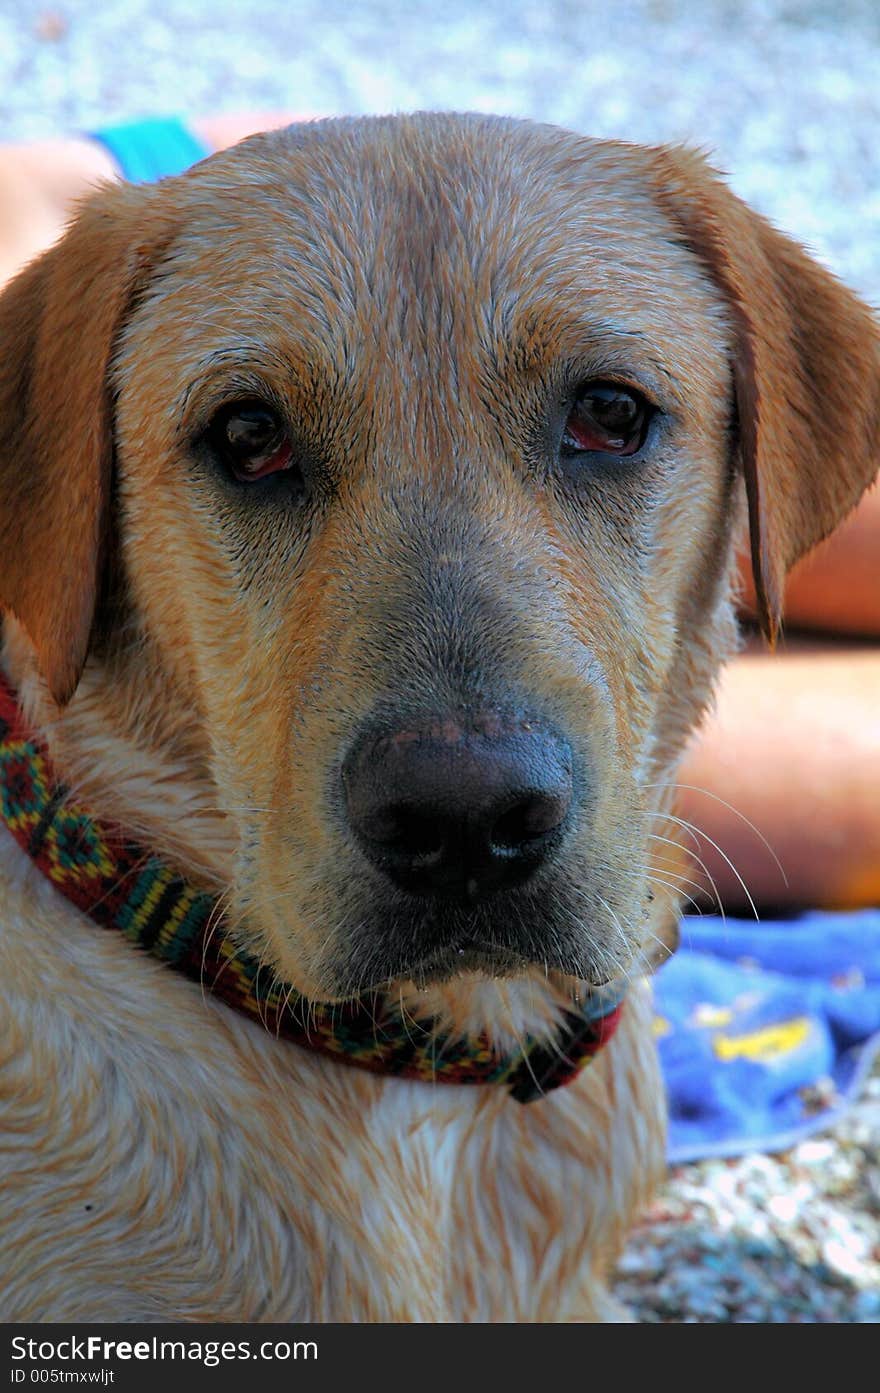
414, 501
428, 440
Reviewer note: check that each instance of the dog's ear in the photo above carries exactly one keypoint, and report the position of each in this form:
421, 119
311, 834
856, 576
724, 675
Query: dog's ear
806, 370
59, 321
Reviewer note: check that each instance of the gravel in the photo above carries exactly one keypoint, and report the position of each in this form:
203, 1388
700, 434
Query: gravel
786, 98
791, 1238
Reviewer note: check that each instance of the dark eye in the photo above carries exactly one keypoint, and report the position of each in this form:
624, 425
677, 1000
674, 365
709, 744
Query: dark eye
251, 440
606, 418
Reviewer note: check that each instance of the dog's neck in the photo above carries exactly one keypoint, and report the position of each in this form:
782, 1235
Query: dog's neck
125, 764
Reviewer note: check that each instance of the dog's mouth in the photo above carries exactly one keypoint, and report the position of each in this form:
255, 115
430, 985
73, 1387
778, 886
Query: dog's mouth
423, 963
579, 917
433, 947
467, 956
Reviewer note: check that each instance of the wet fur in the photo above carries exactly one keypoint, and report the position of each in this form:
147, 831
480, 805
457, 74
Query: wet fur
420, 296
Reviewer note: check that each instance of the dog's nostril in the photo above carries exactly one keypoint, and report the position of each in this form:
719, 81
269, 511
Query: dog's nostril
403, 830
533, 817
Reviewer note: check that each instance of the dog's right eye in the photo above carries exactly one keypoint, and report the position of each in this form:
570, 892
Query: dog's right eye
606, 418
251, 440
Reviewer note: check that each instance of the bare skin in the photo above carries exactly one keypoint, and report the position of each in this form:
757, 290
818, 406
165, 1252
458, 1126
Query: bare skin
836, 588
793, 745
784, 778
42, 179
794, 750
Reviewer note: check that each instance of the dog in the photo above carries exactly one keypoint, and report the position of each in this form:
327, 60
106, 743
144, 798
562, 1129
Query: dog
370, 500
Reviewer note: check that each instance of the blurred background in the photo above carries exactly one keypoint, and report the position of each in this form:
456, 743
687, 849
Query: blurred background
785, 94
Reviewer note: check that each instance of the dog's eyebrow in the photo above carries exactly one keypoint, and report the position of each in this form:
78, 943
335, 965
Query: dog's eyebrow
650, 357
592, 346
586, 346
247, 366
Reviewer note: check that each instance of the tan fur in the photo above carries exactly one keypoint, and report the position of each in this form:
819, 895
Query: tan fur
407, 288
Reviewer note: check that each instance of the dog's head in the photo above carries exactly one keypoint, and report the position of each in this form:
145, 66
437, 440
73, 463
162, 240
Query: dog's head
404, 457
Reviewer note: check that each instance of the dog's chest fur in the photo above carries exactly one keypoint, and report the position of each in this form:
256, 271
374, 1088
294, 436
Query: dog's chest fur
168, 1159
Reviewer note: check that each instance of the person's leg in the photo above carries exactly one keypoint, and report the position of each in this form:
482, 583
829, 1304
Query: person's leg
39, 183
41, 180
794, 748
794, 745
836, 588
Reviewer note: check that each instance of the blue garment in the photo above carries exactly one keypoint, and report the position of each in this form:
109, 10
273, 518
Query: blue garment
766, 1030
152, 148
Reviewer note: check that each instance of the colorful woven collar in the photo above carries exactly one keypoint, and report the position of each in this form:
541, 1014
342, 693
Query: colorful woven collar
121, 887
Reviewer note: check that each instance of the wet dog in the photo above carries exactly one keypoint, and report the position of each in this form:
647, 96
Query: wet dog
369, 504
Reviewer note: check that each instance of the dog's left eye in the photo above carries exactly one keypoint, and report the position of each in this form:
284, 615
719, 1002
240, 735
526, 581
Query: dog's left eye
251, 440
606, 418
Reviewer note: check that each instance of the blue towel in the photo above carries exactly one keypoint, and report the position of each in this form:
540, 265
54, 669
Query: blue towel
766, 1030
152, 148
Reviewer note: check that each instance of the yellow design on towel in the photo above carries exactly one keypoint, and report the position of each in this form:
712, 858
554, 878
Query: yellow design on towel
766, 1044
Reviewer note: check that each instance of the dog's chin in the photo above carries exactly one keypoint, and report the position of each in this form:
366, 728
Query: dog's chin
450, 963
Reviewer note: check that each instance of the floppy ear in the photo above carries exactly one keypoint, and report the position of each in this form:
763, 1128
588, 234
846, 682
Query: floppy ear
58, 323
806, 373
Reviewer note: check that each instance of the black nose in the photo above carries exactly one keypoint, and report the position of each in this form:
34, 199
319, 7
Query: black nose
459, 809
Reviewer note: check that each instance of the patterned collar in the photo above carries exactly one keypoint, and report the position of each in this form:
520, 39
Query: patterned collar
122, 887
